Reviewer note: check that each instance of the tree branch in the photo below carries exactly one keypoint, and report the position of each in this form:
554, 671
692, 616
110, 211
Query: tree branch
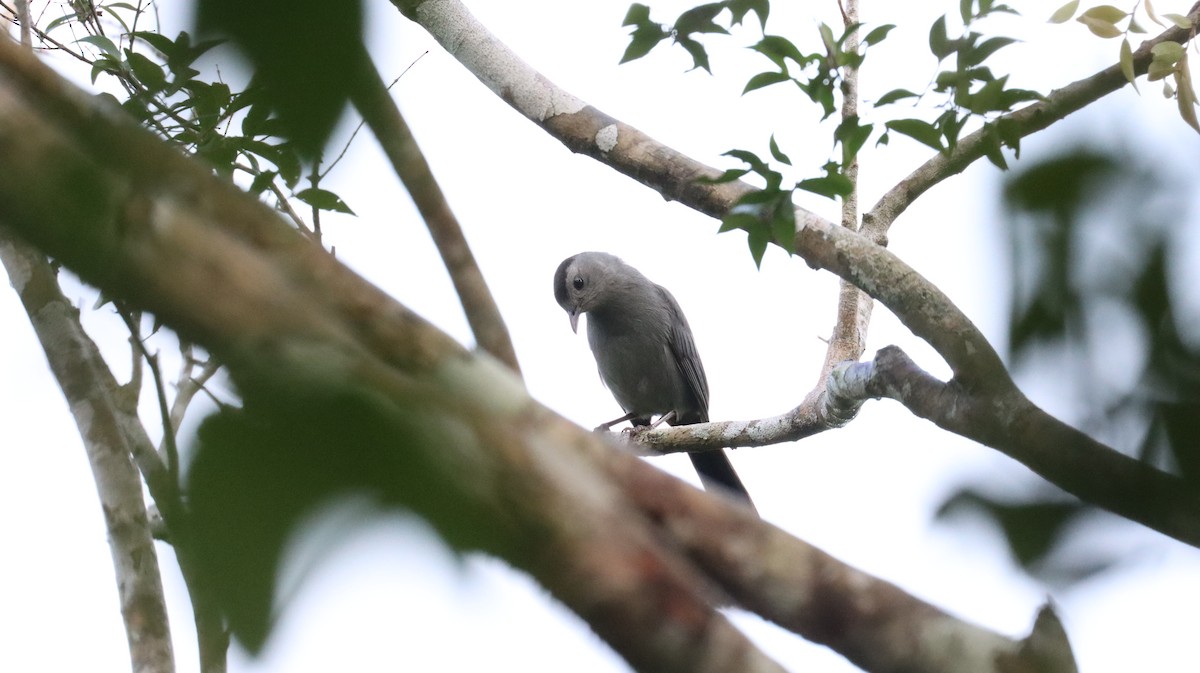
380, 112
1007, 421
161, 232
1019, 124
872, 623
102, 414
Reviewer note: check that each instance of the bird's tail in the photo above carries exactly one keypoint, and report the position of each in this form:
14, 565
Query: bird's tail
716, 472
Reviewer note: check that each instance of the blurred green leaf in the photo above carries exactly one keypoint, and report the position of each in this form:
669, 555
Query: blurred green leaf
1106, 13
306, 56
765, 79
1064, 13
919, 130
739, 9
1099, 27
646, 34
778, 49
777, 154
700, 20
878, 34
323, 199
104, 44
939, 42
852, 135
893, 96
698, 52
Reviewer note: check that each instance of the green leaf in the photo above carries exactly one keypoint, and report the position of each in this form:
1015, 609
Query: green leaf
759, 198
739, 217
1179, 20
739, 9
1011, 97
637, 15
262, 182
1150, 12
307, 57
746, 156
893, 96
764, 79
1106, 13
964, 10
852, 136
775, 152
1100, 28
699, 54
700, 20
939, 43
976, 55
1185, 97
878, 34
323, 199
921, 131
783, 223
64, 19
148, 72
1126, 63
103, 44
830, 186
1063, 14
726, 176
950, 124
105, 65
758, 239
779, 48
163, 44
827, 39
642, 40
1158, 70
1168, 52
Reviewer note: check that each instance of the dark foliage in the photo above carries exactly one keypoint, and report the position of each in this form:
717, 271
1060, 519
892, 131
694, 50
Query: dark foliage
1097, 293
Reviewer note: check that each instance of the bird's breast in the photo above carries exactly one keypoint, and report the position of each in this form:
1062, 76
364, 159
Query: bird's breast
638, 368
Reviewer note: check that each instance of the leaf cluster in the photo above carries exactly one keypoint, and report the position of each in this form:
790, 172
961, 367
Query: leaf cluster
167, 92
688, 27
969, 86
1168, 58
1090, 246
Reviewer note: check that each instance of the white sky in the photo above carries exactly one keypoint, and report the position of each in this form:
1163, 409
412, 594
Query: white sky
392, 597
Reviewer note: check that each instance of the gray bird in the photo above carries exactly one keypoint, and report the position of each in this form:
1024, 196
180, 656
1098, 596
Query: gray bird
644, 350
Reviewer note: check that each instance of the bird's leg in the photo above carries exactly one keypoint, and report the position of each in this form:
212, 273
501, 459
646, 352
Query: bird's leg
667, 417
603, 427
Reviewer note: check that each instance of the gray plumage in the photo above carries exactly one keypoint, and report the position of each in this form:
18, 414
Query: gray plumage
644, 350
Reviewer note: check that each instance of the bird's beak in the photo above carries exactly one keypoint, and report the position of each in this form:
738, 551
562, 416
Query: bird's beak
575, 321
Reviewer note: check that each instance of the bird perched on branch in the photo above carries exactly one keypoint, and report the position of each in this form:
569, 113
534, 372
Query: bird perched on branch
644, 350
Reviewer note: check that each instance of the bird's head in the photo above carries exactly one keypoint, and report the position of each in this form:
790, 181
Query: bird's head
580, 283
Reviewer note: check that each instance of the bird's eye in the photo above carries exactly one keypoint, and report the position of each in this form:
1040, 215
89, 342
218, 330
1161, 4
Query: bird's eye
578, 283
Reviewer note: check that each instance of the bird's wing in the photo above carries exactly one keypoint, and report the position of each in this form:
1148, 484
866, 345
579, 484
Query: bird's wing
687, 359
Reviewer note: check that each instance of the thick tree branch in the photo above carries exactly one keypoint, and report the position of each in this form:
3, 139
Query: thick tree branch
164, 234
873, 623
1020, 123
1006, 420
380, 112
103, 413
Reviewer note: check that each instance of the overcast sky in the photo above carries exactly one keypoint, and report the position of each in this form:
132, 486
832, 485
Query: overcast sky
391, 597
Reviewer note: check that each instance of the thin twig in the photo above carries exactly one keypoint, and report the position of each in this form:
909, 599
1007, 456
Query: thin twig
363, 122
168, 447
381, 114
